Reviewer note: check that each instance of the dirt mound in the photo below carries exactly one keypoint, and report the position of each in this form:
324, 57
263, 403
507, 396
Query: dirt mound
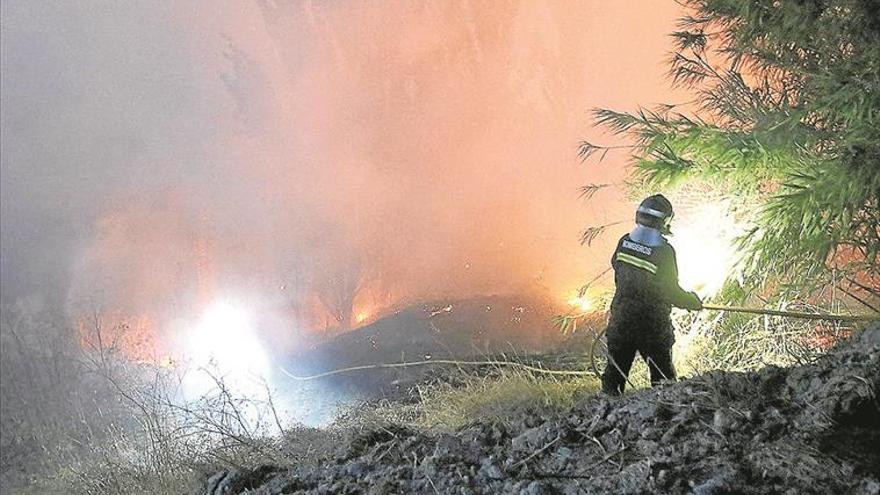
808, 429
459, 329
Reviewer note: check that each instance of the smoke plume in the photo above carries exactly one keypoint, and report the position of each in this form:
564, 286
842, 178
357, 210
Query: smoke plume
324, 161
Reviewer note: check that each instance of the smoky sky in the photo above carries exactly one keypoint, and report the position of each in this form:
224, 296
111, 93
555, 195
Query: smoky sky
96, 99
156, 151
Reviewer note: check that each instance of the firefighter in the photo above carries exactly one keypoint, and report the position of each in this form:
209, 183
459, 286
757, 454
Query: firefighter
646, 279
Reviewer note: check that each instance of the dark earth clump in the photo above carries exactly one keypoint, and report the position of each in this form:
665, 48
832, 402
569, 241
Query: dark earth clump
807, 429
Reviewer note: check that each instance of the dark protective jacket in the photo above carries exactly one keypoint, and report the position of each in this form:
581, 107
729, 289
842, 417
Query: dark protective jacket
646, 278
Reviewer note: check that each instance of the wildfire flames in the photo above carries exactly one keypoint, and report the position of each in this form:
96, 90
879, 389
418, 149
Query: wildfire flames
583, 303
361, 317
703, 238
225, 339
343, 179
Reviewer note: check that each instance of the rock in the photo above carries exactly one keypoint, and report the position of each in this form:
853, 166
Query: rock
564, 453
868, 487
447, 446
489, 470
870, 336
219, 483
472, 435
633, 478
713, 486
722, 421
535, 488
532, 439
661, 476
234, 481
647, 447
354, 469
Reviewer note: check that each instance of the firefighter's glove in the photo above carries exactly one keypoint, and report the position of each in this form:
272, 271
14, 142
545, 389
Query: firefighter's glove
694, 303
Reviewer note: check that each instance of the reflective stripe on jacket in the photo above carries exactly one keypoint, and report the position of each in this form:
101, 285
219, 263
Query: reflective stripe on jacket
646, 279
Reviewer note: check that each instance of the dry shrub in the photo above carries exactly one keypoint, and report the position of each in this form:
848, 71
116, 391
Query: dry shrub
746, 342
81, 419
471, 395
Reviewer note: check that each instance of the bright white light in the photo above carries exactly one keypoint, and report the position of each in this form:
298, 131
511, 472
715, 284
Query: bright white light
703, 240
224, 341
585, 303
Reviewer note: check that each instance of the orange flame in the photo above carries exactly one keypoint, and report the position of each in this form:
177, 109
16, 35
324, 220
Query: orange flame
361, 316
584, 303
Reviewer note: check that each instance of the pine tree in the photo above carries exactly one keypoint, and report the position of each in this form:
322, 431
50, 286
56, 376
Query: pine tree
786, 116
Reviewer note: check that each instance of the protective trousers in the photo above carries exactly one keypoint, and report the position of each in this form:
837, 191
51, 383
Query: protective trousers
657, 353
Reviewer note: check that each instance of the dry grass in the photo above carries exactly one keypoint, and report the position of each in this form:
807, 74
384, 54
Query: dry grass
741, 342
505, 392
707, 341
198, 438
450, 408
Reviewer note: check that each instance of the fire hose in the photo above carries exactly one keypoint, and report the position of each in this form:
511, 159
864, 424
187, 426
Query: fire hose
593, 348
792, 314
456, 362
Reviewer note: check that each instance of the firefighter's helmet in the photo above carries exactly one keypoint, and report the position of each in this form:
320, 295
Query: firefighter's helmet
655, 212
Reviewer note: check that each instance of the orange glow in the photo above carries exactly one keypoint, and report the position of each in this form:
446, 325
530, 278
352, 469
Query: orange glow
360, 168
583, 303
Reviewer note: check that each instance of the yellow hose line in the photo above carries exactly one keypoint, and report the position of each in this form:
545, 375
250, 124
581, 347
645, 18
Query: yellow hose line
792, 314
433, 362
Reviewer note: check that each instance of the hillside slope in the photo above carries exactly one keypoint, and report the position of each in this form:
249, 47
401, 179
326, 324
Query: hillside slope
807, 429
460, 329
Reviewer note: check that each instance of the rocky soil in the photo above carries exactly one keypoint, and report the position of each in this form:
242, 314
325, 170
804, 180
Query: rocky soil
807, 429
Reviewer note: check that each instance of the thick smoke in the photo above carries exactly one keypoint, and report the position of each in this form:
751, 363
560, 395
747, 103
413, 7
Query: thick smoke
324, 161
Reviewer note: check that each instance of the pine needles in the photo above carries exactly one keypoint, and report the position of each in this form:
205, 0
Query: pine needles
787, 113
